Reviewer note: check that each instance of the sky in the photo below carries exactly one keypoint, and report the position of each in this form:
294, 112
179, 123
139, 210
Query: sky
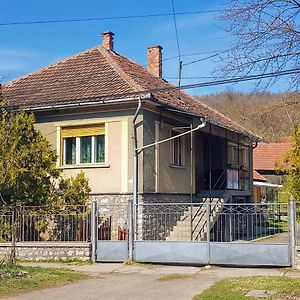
28, 48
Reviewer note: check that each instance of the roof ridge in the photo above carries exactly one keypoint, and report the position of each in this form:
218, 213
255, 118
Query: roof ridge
7, 84
108, 54
170, 84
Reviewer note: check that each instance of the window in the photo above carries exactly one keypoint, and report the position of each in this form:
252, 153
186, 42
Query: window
70, 150
177, 150
83, 144
232, 179
238, 172
237, 156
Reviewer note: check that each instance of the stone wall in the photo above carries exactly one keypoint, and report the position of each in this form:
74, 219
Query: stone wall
38, 251
113, 208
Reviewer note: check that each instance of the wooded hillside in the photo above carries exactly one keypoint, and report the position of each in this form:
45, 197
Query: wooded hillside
271, 116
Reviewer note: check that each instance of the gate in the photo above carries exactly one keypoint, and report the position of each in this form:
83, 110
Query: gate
212, 232
111, 232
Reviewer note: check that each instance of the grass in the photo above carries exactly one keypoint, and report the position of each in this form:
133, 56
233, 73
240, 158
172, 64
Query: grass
136, 263
17, 279
236, 289
281, 226
69, 261
174, 276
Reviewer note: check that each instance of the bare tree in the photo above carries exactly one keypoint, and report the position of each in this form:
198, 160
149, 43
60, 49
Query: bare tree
266, 37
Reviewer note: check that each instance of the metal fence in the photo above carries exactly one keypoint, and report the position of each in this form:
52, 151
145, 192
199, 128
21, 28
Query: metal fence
297, 237
45, 223
112, 222
214, 221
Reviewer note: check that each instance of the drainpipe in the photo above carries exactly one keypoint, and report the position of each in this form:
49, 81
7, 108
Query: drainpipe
135, 182
135, 153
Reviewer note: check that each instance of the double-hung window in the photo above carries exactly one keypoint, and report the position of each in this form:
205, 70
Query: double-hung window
83, 144
177, 150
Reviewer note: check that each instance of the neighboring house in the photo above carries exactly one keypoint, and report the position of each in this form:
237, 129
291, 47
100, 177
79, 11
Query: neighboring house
85, 106
267, 178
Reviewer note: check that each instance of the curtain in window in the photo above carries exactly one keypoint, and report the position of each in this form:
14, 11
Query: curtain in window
100, 148
70, 151
86, 149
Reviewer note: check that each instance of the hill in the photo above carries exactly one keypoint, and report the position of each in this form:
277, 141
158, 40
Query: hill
271, 116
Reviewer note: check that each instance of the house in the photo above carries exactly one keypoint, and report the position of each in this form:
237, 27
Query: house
268, 180
87, 107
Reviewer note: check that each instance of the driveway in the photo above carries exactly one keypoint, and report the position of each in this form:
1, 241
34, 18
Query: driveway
118, 281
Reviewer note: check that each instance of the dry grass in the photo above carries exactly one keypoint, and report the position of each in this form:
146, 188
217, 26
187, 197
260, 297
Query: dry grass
175, 276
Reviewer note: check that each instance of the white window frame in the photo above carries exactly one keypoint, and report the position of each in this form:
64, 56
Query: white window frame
182, 148
78, 151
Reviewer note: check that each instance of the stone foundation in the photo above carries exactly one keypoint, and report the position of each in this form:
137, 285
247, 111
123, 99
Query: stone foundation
113, 208
123, 198
39, 251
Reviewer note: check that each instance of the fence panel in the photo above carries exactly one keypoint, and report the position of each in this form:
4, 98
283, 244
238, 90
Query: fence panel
45, 223
227, 222
213, 232
6, 221
248, 222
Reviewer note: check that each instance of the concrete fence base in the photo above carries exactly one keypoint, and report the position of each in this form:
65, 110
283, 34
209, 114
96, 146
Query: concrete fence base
39, 251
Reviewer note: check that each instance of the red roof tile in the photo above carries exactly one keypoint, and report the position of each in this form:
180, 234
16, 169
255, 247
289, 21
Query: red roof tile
265, 155
258, 177
98, 73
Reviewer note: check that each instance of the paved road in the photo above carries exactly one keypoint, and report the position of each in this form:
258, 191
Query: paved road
117, 281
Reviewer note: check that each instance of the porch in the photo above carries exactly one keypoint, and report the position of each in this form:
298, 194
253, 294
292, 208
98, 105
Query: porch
222, 168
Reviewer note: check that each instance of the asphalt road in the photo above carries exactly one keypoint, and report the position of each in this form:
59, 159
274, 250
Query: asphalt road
117, 281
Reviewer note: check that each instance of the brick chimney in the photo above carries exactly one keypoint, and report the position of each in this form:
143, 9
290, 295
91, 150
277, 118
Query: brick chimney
108, 40
155, 60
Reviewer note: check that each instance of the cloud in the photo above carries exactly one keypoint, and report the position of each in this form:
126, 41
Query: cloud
10, 52
16, 60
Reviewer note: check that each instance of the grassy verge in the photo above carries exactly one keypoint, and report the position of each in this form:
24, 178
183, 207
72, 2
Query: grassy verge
236, 289
174, 276
70, 261
17, 279
137, 264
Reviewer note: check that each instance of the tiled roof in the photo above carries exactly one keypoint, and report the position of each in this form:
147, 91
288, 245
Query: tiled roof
265, 155
258, 177
98, 73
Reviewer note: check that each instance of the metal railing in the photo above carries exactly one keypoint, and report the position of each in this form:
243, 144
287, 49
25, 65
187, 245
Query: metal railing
214, 205
261, 223
214, 222
297, 237
45, 223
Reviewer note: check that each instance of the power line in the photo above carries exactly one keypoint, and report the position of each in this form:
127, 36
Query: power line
195, 77
183, 87
207, 57
177, 42
195, 85
193, 54
176, 30
108, 18
236, 79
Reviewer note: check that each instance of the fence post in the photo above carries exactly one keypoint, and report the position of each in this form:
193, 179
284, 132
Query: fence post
208, 230
130, 231
94, 228
292, 231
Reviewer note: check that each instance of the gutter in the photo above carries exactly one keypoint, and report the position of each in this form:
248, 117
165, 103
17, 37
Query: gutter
89, 103
147, 97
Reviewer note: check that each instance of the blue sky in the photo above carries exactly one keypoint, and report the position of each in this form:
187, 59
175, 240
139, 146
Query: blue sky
27, 48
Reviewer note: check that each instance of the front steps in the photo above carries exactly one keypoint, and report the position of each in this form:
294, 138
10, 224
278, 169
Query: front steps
192, 226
